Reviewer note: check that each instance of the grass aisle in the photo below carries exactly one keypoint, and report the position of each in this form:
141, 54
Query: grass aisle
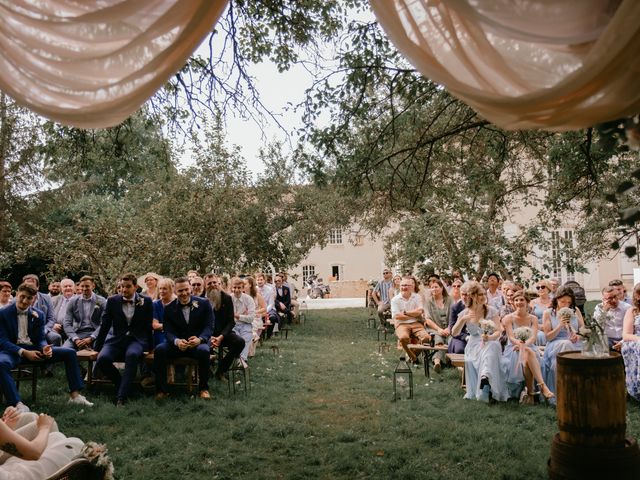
320, 409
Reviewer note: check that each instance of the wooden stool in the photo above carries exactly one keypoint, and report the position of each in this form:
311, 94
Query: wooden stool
238, 369
27, 371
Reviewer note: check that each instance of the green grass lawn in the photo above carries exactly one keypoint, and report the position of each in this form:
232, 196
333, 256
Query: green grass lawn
322, 408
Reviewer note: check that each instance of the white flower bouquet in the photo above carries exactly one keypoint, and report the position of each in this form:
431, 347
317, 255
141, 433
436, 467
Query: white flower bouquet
487, 326
97, 454
523, 333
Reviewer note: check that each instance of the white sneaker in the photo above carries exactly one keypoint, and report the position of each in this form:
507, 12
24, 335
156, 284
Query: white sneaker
81, 400
22, 408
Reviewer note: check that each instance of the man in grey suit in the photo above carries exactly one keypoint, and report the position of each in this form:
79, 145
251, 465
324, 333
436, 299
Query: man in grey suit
83, 316
60, 302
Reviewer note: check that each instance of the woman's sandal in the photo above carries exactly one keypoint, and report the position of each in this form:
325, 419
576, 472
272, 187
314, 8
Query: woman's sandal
548, 394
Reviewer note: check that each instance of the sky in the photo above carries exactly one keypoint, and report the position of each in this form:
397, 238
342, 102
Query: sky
279, 92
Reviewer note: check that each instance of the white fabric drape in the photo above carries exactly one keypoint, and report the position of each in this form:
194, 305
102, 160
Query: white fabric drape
552, 64
93, 63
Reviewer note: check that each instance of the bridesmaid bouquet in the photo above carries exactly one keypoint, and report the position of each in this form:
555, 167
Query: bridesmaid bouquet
566, 314
523, 334
487, 326
98, 455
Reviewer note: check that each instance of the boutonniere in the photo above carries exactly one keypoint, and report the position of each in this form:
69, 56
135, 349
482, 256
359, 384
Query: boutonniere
194, 305
34, 314
140, 302
97, 306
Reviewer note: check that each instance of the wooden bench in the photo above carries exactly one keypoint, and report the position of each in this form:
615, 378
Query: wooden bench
428, 352
191, 374
457, 360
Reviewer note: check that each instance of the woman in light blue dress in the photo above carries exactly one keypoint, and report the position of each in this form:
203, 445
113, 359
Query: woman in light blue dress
631, 345
562, 333
521, 358
539, 305
483, 372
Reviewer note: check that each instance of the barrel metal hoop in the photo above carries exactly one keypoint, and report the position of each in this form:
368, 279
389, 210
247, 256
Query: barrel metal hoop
570, 428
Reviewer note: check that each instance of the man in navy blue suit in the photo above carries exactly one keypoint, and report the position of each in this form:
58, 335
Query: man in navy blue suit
130, 314
188, 325
283, 299
22, 338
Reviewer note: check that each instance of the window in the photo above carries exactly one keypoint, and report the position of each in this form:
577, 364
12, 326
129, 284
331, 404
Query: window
307, 271
336, 271
335, 236
561, 245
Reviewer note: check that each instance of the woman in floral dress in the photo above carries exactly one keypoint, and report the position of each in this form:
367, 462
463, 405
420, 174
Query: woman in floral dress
631, 345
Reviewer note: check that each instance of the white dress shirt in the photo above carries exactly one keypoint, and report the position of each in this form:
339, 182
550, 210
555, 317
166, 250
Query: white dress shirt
400, 304
245, 307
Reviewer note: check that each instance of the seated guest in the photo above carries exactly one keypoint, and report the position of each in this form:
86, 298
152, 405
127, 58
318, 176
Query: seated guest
268, 292
381, 295
130, 315
244, 311
53, 330
84, 314
458, 343
483, 369
191, 274
60, 302
31, 446
631, 345
5, 293
561, 331
151, 285
406, 312
251, 289
22, 339
283, 300
621, 290
454, 292
54, 289
166, 289
293, 291
539, 305
188, 324
437, 318
617, 309
521, 358
197, 286
495, 291
223, 335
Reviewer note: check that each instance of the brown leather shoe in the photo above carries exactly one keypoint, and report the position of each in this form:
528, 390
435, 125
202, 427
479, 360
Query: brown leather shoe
161, 395
204, 394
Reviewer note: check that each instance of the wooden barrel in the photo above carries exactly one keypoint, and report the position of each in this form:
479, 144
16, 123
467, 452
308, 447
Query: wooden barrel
573, 462
592, 400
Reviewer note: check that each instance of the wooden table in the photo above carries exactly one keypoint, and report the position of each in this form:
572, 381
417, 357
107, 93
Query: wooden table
428, 352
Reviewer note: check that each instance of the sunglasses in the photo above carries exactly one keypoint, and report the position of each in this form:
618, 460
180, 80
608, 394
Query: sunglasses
456, 286
196, 284
540, 287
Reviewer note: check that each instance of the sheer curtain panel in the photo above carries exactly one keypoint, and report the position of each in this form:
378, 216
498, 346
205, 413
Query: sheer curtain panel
91, 64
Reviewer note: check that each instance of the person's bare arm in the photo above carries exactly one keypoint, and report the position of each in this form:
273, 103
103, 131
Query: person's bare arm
18, 446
